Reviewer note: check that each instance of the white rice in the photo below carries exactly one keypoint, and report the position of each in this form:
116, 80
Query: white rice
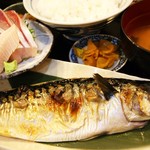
77, 11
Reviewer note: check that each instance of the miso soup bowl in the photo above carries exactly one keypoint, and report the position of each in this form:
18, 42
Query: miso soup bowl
135, 16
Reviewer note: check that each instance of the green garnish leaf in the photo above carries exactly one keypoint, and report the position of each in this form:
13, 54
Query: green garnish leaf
10, 66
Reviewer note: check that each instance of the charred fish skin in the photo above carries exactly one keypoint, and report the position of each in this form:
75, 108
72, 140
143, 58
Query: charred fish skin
65, 110
55, 89
52, 105
135, 97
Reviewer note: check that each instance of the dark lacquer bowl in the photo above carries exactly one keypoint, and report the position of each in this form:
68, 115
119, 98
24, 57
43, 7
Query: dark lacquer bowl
135, 25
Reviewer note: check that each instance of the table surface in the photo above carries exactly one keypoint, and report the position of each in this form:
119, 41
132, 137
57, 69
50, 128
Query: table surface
61, 46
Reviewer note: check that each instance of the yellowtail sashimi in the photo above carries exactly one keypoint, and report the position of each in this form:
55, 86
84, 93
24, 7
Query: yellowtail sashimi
6, 23
9, 41
15, 18
27, 47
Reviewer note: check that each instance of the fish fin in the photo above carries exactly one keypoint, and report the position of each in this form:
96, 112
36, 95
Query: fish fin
107, 89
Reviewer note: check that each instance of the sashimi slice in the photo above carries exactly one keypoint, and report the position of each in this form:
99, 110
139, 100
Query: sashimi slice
26, 51
23, 53
5, 23
22, 27
9, 41
1, 30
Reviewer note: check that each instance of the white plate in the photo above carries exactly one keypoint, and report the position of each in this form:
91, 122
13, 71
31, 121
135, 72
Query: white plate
44, 39
54, 67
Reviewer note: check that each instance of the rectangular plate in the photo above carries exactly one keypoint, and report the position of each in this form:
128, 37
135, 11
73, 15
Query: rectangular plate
52, 69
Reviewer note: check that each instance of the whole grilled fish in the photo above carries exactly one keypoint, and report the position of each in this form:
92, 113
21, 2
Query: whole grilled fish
74, 109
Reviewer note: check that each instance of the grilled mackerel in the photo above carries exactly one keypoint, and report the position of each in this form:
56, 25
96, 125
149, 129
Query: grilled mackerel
74, 109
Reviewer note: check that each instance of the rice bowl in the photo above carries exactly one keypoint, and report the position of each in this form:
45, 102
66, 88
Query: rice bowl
76, 18
75, 12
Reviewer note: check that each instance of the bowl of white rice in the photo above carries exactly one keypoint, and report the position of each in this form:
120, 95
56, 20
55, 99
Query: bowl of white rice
76, 18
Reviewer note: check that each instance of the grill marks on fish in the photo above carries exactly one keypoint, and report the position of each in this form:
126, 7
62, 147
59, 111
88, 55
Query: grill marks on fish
67, 94
73, 109
70, 95
136, 101
135, 97
58, 103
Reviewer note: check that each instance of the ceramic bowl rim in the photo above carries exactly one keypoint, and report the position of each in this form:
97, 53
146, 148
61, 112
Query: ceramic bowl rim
85, 38
28, 6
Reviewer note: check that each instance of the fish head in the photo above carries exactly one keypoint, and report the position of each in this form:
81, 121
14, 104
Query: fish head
136, 101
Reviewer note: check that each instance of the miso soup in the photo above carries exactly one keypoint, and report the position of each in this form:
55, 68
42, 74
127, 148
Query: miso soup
141, 36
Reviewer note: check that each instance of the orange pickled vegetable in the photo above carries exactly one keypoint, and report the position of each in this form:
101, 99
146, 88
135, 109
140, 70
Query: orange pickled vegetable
102, 62
78, 52
100, 54
89, 61
107, 47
